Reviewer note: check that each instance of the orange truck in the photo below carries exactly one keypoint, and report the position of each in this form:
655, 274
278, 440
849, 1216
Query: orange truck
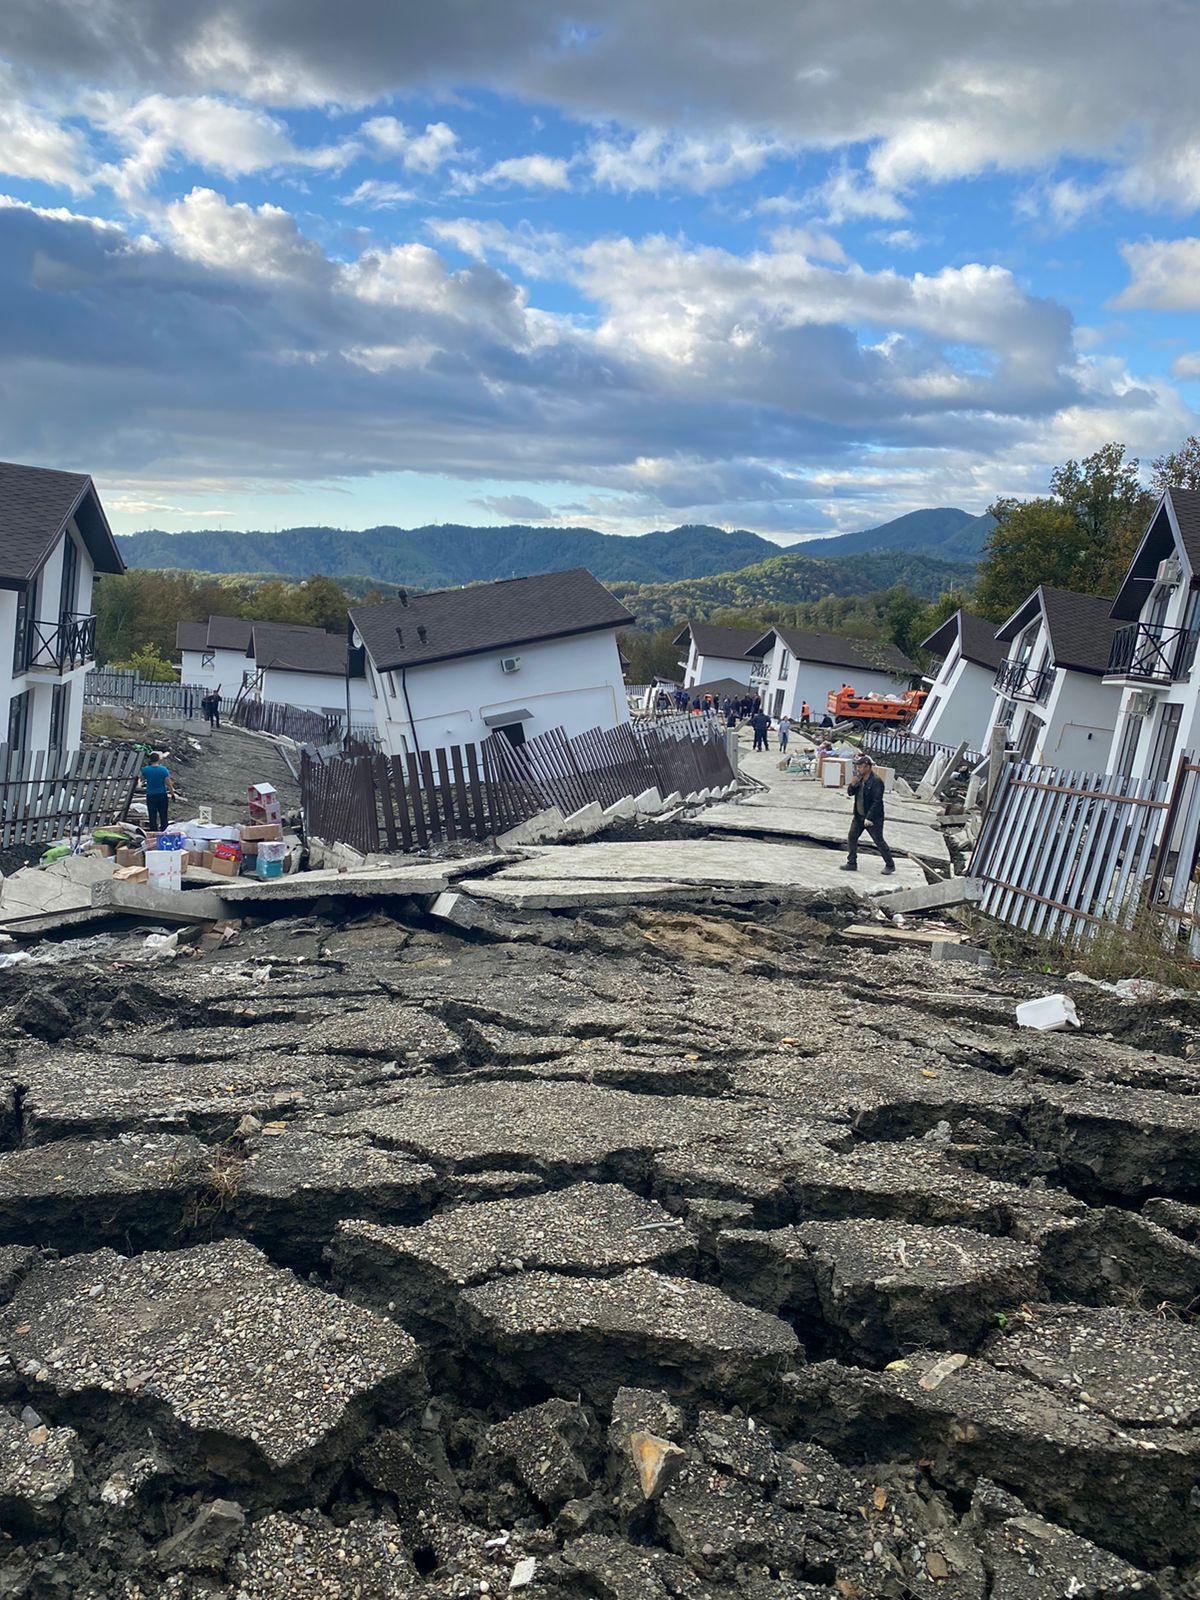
897, 711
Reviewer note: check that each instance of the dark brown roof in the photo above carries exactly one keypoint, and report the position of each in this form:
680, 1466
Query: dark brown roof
1186, 505
710, 640
1080, 627
835, 650
229, 633
35, 505
1157, 544
976, 638
290, 647
191, 636
486, 616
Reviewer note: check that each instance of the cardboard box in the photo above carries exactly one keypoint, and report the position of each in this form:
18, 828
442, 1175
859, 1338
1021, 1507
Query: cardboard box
226, 866
226, 850
261, 830
131, 875
127, 856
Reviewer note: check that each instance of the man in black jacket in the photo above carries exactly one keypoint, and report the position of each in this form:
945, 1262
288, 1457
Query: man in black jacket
867, 793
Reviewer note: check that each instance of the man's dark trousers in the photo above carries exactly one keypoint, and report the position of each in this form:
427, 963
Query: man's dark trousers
858, 826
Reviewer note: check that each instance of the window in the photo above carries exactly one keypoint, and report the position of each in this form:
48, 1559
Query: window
1129, 743
18, 721
21, 634
1191, 623
59, 694
1159, 769
70, 574
208, 658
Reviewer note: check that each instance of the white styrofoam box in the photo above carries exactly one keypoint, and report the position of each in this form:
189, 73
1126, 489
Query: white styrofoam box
1051, 1013
164, 869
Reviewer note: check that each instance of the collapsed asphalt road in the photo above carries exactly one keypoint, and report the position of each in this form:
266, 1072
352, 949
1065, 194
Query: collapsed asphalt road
652, 1254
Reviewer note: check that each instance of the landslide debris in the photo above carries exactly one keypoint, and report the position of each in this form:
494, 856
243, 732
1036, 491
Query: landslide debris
632, 1256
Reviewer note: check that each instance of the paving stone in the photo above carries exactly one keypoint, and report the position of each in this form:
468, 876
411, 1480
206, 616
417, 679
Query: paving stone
309, 1558
418, 1274
37, 1473
1108, 1256
971, 1419
593, 1335
293, 1189
253, 1374
78, 1195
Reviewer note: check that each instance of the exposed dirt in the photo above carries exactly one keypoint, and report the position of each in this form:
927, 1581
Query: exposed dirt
624, 1256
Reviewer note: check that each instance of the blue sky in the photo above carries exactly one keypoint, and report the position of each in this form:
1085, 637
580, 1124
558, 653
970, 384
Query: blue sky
795, 269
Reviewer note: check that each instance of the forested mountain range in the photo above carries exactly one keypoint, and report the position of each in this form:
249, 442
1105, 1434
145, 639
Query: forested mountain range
449, 553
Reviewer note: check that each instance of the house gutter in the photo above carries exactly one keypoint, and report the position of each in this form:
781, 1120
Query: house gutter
412, 725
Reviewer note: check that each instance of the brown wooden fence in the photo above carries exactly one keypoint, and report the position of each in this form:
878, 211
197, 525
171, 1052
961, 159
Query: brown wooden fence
375, 803
290, 722
1063, 853
46, 795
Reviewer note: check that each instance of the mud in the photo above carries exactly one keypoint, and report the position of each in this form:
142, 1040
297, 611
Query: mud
624, 1255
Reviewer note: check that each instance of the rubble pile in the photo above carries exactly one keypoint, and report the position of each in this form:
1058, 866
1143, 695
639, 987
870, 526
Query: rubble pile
624, 1257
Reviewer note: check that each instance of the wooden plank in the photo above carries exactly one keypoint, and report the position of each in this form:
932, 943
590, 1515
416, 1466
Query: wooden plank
468, 824
447, 798
415, 799
384, 790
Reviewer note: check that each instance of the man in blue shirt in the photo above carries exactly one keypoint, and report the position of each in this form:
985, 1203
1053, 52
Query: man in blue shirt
158, 783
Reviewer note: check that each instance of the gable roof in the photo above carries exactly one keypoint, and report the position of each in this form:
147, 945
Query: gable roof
191, 636
1175, 520
836, 650
229, 633
36, 504
292, 647
718, 688
710, 640
1080, 627
485, 616
976, 638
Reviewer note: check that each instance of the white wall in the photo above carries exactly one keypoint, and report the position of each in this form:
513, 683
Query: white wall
224, 674
959, 706
573, 683
1081, 713
706, 669
318, 691
47, 607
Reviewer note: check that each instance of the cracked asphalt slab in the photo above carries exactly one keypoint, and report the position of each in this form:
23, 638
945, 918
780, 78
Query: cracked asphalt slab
616, 1255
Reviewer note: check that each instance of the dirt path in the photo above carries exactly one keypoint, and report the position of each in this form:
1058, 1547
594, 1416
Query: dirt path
218, 774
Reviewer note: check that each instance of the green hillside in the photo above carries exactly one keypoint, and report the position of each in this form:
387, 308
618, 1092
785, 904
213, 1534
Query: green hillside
943, 531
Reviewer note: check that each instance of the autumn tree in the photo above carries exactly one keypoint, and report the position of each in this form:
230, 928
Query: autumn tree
1179, 469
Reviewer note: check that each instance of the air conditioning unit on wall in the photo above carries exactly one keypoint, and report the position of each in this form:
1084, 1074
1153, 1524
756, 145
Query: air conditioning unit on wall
1169, 571
510, 663
1140, 704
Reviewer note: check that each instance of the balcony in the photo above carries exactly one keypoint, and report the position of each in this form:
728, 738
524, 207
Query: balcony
1019, 681
1144, 652
61, 646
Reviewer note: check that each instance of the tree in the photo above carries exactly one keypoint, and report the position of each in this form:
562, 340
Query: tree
1180, 469
1036, 541
903, 614
149, 665
1105, 496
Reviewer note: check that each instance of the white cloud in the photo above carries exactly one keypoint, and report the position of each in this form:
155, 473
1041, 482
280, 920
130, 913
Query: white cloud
530, 172
419, 152
653, 160
34, 145
379, 195
901, 239
1187, 366
1165, 275
262, 242
847, 195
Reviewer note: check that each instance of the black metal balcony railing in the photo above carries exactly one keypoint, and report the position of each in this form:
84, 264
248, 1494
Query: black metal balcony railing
63, 645
1152, 654
1019, 681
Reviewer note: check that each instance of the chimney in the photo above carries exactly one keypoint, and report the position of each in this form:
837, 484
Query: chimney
402, 596
421, 633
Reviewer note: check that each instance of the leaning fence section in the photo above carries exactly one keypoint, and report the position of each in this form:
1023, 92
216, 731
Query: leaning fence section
895, 742
288, 722
378, 802
1064, 853
46, 794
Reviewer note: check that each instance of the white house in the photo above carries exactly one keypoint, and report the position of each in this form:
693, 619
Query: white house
714, 653
54, 539
961, 695
1050, 691
520, 656
1152, 659
308, 668
212, 654
802, 666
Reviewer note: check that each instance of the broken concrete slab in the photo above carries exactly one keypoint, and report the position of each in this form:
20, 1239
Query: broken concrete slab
64, 885
970, 1419
573, 894
583, 823
247, 1373
732, 863
621, 810
1108, 1256
920, 840
595, 1335
159, 905
418, 1274
133, 1191
415, 878
934, 896
649, 803
542, 825
1120, 1141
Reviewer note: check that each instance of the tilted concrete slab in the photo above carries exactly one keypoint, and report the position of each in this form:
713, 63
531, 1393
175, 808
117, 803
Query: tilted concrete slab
159, 905
569, 894
716, 862
830, 827
420, 877
64, 885
949, 892
805, 795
